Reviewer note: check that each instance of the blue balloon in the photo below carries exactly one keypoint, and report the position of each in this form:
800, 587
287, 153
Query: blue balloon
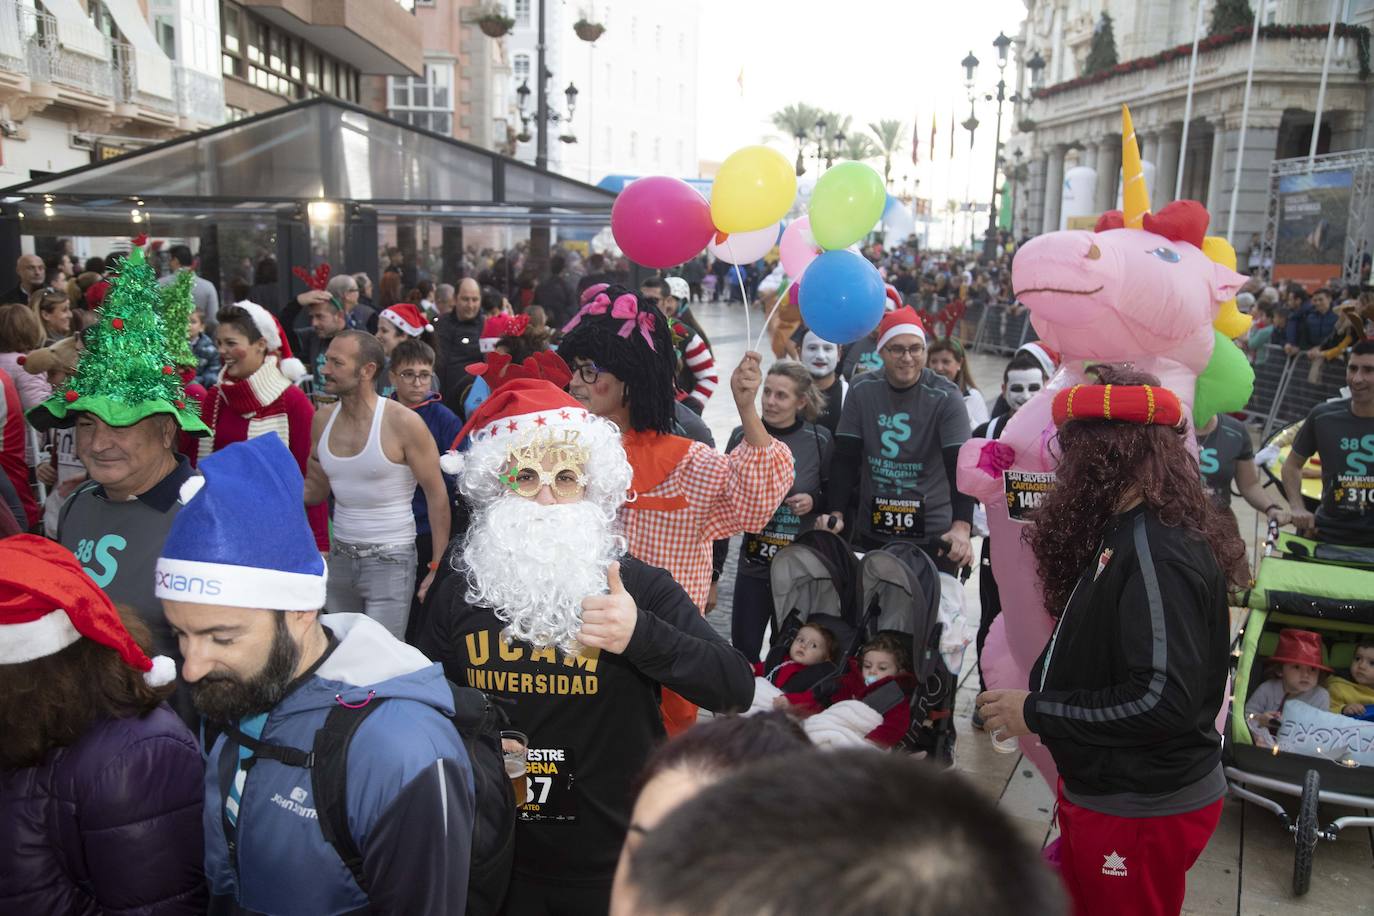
842, 296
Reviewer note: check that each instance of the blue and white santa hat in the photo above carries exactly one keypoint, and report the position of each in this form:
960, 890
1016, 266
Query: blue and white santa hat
242, 538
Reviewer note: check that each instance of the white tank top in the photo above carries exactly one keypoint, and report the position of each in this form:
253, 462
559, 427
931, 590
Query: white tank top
372, 493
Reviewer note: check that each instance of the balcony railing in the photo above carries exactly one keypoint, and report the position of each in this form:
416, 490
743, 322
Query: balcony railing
44, 59
1290, 57
200, 96
126, 81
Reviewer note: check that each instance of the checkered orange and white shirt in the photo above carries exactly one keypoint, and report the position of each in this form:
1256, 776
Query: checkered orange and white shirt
725, 495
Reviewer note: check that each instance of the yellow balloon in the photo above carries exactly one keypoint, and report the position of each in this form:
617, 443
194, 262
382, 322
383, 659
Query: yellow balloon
754, 188
1229, 320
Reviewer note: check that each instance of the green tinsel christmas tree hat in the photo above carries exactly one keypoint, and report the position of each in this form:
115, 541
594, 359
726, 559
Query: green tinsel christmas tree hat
128, 371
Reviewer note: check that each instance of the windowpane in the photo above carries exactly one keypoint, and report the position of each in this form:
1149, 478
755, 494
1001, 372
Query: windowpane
226, 64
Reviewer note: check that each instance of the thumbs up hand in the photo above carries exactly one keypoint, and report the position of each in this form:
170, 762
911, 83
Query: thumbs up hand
608, 621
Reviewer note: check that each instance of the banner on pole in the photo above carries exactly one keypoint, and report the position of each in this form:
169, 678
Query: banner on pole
1313, 216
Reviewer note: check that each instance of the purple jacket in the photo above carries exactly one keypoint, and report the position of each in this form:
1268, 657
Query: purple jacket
109, 825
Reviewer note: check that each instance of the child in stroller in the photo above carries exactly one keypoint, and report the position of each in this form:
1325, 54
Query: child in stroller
813, 645
883, 670
1353, 694
1297, 670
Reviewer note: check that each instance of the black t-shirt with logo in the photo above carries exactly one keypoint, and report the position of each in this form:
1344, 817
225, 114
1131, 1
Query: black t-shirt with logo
1345, 445
1217, 454
591, 719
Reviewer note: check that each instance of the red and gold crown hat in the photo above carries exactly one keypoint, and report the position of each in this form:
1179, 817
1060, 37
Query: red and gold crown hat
1145, 404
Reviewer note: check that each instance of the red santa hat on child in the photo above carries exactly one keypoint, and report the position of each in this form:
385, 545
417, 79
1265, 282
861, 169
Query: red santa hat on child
271, 330
47, 603
407, 319
902, 321
501, 325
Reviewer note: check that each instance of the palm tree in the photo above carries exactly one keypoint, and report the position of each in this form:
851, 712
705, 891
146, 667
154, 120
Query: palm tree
890, 137
858, 147
797, 121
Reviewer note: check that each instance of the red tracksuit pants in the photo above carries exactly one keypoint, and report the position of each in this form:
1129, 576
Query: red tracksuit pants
1126, 866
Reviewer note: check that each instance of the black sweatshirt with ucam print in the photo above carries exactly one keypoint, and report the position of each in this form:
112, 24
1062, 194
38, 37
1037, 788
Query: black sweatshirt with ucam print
592, 719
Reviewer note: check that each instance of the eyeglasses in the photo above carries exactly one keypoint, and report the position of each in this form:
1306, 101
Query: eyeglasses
410, 376
911, 352
589, 372
566, 481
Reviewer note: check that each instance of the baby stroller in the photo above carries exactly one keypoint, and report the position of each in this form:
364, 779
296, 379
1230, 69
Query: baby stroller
900, 593
815, 580
1328, 589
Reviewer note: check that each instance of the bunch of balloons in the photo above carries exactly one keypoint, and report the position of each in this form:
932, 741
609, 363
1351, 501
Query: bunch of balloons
661, 221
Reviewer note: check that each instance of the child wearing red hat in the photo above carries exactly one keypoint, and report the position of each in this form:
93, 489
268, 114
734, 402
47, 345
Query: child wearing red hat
1295, 675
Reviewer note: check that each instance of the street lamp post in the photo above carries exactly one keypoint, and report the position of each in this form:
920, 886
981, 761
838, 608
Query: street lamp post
1001, 43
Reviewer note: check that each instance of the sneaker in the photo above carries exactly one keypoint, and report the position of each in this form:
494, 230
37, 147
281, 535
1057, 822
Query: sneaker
976, 720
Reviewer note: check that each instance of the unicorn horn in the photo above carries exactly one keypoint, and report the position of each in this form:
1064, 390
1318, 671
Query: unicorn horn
1134, 195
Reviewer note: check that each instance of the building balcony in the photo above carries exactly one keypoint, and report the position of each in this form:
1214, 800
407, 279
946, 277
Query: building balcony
200, 98
379, 37
1287, 71
37, 70
131, 95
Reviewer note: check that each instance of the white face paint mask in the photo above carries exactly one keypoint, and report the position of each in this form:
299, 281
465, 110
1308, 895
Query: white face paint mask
1022, 385
820, 356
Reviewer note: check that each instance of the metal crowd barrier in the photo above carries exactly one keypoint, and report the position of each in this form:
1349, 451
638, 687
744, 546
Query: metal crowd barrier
1000, 330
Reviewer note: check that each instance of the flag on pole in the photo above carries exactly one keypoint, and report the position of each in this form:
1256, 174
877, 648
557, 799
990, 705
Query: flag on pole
952, 132
932, 136
915, 141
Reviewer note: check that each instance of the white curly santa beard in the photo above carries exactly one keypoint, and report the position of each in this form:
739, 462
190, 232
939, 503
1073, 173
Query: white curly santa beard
533, 565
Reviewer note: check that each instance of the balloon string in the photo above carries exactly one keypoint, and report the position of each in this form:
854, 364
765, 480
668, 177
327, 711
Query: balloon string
739, 275
782, 295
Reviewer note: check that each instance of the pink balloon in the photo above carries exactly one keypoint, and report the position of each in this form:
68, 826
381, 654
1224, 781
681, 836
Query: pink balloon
797, 248
661, 221
744, 247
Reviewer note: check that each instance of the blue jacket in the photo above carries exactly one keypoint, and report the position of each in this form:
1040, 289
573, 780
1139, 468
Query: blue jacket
1309, 328
409, 788
443, 426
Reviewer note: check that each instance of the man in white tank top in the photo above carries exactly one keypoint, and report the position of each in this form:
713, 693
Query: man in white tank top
371, 458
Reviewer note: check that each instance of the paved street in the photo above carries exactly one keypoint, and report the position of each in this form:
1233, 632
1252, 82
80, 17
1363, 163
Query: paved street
1247, 867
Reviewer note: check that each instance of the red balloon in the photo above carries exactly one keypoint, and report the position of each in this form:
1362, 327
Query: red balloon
794, 293
661, 221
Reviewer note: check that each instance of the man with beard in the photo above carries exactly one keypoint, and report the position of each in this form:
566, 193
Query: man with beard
685, 495
243, 599
371, 459
548, 612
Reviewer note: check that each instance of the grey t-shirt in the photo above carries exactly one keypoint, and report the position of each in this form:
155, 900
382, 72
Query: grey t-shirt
118, 543
810, 446
904, 490
1217, 455
1345, 443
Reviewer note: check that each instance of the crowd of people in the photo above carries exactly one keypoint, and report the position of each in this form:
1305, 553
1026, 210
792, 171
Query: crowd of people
432, 570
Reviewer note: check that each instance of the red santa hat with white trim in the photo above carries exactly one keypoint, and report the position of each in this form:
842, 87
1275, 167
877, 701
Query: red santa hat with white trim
406, 318
1046, 357
47, 603
272, 332
901, 321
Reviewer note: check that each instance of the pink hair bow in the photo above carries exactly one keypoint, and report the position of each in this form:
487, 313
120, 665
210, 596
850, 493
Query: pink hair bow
626, 307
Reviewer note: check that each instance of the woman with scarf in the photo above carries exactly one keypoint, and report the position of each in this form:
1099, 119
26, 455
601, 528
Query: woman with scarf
256, 393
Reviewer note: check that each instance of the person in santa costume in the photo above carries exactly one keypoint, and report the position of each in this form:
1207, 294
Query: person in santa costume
1137, 562
684, 494
396, 323
548, 612
256, 393
100, 782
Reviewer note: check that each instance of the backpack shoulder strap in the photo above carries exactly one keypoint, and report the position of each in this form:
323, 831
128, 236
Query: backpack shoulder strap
329, 782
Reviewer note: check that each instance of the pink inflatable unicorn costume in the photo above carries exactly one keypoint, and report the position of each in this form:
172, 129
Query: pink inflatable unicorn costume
1137, 290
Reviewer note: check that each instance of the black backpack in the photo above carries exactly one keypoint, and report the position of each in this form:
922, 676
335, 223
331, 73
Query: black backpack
478, 722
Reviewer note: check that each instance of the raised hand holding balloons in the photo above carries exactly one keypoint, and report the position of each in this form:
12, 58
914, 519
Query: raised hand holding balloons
661, 221
846, 204
754, 188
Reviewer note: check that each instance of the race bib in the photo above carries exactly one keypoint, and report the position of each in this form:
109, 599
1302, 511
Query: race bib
899, 517
549, 786
1354, 493
1025, 491
782, 530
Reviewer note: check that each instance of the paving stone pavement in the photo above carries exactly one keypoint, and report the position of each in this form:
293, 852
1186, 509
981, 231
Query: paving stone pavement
1245, 869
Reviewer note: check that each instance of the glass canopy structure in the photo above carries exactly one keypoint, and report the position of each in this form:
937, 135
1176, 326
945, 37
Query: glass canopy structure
319, 180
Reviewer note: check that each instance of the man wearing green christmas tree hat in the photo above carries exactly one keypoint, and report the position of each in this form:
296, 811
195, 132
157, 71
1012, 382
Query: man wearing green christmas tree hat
127, 403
